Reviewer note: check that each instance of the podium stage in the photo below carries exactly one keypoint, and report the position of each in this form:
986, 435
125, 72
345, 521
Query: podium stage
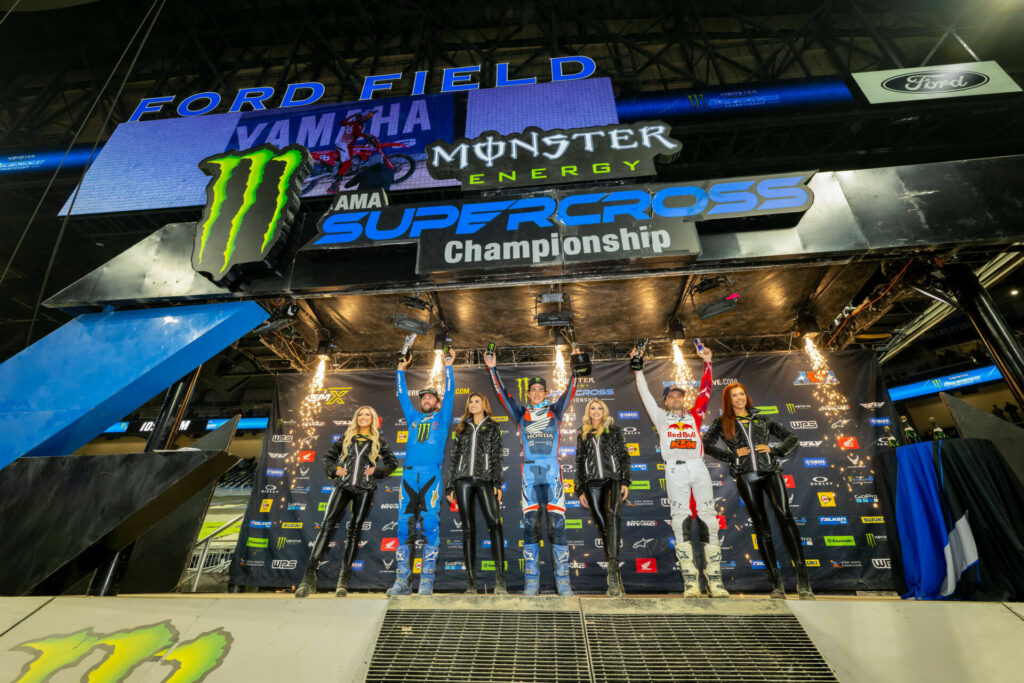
276, 638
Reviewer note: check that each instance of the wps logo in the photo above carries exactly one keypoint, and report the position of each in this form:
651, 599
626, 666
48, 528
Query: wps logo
881, 562
804, 424
248, 218
284, 564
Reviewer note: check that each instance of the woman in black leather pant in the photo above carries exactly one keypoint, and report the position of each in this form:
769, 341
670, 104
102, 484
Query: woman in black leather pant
758, 473
475, 476
355, 463
602, 480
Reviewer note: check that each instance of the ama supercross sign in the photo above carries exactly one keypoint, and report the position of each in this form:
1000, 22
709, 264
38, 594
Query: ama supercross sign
251, 202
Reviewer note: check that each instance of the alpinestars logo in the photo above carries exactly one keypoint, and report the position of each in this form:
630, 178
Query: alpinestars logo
248, 216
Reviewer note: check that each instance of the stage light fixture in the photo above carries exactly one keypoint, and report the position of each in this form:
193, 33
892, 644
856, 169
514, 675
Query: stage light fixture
279, 319
676, 329
408, 315
716, 306
806, 323
561, 317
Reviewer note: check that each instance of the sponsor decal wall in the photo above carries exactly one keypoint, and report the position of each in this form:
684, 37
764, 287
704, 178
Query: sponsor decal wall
830, 480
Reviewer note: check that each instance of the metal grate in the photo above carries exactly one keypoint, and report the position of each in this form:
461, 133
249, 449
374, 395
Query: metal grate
479, 645
702, 647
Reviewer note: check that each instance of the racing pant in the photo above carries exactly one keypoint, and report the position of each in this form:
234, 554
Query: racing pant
605, 500
753, 487
341, 497
683, 478
419, 505
467, 493
543, 494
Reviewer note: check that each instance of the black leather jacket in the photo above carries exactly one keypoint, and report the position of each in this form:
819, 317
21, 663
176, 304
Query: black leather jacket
762, 429
356, 461
476, 454
603, 456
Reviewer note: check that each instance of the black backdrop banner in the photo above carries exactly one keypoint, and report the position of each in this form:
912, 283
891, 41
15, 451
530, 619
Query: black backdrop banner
831, 479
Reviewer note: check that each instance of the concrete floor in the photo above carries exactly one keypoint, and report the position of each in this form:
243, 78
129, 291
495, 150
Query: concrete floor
273, 637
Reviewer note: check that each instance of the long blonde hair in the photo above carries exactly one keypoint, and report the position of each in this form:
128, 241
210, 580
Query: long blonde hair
588, 424
468, 416
353, 430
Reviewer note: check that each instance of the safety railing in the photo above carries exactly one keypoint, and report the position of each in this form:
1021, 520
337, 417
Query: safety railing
204, 543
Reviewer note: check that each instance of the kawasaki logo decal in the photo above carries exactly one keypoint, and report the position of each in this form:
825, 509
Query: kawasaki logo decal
251, 201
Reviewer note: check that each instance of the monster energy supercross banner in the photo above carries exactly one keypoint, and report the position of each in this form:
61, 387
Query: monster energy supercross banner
830, 479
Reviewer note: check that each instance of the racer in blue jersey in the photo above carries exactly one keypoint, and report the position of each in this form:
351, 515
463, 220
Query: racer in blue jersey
420, 499
539, 425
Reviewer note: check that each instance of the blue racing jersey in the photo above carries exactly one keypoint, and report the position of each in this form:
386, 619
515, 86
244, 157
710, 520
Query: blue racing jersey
428, 432
538, 425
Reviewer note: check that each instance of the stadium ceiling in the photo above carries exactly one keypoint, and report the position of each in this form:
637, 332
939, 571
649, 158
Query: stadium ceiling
48, 92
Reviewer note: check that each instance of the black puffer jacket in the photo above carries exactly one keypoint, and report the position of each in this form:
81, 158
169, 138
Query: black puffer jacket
601, 456
476, 454
356, 461
762, 431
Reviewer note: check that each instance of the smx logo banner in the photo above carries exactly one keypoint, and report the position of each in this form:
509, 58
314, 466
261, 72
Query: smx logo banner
124, 651
251, 202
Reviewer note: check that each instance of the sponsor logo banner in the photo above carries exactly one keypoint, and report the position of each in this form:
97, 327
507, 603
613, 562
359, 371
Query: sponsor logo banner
935, 82
539, 157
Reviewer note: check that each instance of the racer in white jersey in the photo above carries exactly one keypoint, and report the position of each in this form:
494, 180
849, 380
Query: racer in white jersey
685, 473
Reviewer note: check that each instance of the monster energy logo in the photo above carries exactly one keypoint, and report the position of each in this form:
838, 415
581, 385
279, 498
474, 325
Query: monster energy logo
247, 214
422, 431
871, 539
522, 386
791, 408
696, 100
125, 651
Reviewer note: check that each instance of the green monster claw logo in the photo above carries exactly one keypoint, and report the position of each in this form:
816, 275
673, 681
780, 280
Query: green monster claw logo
126, 651
247, 214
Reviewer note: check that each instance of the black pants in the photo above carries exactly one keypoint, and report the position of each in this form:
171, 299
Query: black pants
753, 487
605, 498
341, 497
469, 492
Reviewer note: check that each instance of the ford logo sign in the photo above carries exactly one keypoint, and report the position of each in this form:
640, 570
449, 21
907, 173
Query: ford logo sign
931, 82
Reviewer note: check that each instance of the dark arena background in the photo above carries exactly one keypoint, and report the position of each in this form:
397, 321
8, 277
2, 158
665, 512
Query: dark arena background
222, 223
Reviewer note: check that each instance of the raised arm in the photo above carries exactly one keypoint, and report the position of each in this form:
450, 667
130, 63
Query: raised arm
700, 406
507, 402
650, 405
410, 413
565, 399
448, 405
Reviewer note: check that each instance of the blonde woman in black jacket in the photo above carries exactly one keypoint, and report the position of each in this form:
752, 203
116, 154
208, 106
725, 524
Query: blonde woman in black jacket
757, 467
602, 482
355, 463
475, 476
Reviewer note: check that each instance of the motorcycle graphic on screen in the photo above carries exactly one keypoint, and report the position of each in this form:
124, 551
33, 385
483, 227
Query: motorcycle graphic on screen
352, 162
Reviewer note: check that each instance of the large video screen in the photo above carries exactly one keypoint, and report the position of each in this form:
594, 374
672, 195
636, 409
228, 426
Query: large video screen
368, 144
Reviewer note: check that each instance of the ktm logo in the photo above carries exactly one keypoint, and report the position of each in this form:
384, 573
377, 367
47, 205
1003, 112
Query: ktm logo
247, 216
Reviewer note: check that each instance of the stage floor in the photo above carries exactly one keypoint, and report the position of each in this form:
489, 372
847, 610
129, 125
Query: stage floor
274, 637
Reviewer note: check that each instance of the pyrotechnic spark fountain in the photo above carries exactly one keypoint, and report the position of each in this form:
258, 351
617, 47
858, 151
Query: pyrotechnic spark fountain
561, 378
436, 380
681, 374
832, 402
